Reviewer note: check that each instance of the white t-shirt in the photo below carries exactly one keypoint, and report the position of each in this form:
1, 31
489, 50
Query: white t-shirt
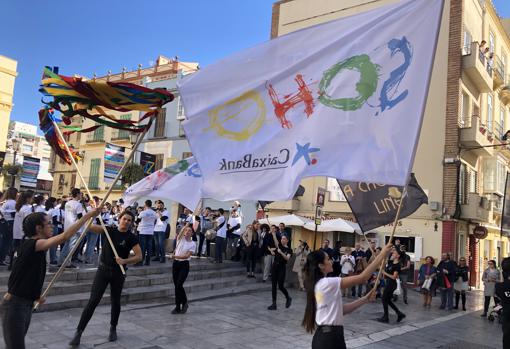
347, 263
184, 246
72, 209
161, 225
328, 296
56, 212
40, 208
17, 230
222, 232
148, 219
8, 208
233, 221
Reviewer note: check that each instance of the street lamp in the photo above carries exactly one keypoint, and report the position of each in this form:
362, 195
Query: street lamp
15, 147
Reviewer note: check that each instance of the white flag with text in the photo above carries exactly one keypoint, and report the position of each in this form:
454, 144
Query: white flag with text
344, 99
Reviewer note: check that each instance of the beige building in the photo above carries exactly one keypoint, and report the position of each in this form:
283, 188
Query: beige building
7, 77
92, 145
461, 160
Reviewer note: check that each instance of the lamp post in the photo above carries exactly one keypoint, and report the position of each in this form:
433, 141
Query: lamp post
15, 146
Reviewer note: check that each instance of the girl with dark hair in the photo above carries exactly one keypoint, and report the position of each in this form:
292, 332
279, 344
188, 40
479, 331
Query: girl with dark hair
109, 272
251, 240
427, 280
281, 255
461, 283
27, 277
7, 212
391, 275
23, 208
490, 277
180, 268
324, 309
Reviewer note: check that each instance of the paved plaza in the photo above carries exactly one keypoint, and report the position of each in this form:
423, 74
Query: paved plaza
243, 321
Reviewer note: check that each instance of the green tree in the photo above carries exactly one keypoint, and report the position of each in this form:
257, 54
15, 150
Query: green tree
132, 173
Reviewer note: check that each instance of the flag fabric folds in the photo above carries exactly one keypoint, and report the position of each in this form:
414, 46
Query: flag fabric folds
375, 205
179, 182
505, 216
343, 99
113, 161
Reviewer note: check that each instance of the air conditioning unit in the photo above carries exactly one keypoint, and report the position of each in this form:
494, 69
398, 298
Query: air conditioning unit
434, 206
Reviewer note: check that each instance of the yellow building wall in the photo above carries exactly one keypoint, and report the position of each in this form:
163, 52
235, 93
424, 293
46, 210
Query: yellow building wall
8, 75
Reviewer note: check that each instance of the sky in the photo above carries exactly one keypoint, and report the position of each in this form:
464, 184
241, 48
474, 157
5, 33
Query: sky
94, 36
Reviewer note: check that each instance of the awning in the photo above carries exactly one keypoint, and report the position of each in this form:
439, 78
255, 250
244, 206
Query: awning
289, 219
337, 224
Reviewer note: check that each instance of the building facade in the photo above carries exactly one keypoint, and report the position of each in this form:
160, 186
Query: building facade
462, 158
8, 76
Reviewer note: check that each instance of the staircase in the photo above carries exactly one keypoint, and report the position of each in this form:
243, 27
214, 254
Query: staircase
149, 284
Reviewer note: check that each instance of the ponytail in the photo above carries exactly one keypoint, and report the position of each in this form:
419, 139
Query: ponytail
312, 274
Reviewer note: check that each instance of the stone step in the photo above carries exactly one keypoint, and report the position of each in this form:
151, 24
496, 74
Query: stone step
68, 287
197, 289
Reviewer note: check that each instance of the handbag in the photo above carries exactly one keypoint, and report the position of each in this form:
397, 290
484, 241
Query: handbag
426, 284
398, 290
447, 283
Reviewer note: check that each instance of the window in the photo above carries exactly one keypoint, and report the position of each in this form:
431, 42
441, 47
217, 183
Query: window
73, 181
159, 127
489, 112
494, 175
473, 181
466, 49
503, 63
180, 109
461, 245
186, 154
501, 124
95, 165
463, 185
464, 119
181, 130
501, 177
123, 134
60, 188
159, 161
97, 136
27, 148
348, 239
492, 42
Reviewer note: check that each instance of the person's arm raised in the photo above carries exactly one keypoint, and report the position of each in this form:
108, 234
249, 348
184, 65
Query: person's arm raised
45, 244
350, 281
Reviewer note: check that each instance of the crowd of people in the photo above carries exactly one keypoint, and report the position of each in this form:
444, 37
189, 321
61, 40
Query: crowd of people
35, 229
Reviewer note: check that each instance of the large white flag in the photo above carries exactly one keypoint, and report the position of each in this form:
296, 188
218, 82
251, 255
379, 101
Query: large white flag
343, 99
179, 182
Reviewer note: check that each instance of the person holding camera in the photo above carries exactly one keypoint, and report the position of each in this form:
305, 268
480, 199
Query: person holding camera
160, 231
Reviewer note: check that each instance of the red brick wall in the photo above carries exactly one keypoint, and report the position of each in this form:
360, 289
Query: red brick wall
473, 261
448, 238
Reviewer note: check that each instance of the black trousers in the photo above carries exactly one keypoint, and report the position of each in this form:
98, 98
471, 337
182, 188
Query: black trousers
487, 301
251, 258
16, 316
104, 276
180, 271
329, 337
201, 238
391, 286
278, 279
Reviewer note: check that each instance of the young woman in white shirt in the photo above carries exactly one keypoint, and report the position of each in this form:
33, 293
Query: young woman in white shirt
23, 208
347, 263
324, 309
180, 268
8, 211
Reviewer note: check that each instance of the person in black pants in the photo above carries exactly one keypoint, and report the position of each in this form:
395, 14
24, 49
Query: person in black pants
251, 240
109, 272
391, 274
180, 268
28, 273
282, 254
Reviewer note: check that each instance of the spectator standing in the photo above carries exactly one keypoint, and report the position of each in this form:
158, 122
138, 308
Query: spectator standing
146, 221
221, 235
233, 235
251, 241
405, 260
301, 253
490, 277
361, 263
23, 208
160, 230
325, 247
446, 272
461, 285
347, 263
206, 223
427, 272
180, 268
337, 254
267, 243
8, 211
73, 211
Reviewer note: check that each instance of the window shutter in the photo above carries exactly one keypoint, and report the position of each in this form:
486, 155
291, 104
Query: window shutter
159, 161
159, 127
489, 175
95, 164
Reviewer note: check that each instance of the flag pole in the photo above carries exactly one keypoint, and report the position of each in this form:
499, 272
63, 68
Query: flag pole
57, 129
61, 269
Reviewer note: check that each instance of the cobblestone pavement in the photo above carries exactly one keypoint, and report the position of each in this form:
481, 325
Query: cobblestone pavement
243, 321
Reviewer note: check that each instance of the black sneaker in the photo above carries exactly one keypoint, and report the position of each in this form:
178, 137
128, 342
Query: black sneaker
401, 317
383, 319
288, 302
175, 311
76, 339
112, 337
272, 307
184, 308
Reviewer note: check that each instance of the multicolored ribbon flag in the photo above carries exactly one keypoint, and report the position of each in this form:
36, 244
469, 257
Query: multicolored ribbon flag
344, 99
30, 172
113, 161
180, 182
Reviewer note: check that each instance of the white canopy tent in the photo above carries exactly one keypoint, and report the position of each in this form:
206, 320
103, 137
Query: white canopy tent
290, 220
337, 224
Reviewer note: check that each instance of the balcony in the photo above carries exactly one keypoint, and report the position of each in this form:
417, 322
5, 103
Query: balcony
94, 138
289, 205
120, 135
504, 92
498, 72
477, 208
476, 136
475, 66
